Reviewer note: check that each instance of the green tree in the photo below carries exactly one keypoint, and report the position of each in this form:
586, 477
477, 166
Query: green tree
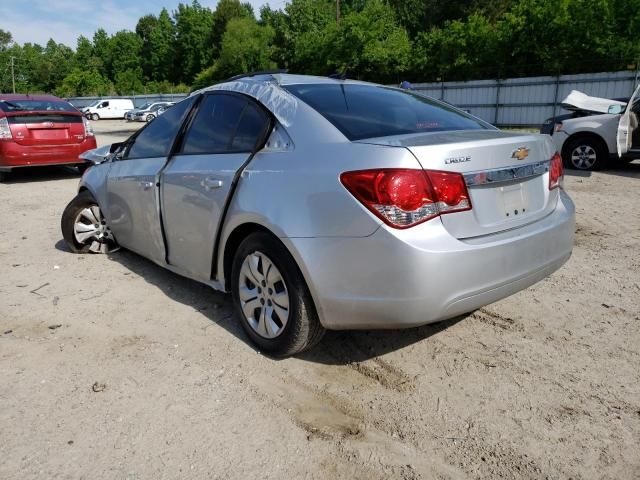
124, 53
129, 82
307, 35
246, 47
369, 44
102, 51
83, 83
162, 55
144, 28
225, 11
193, 28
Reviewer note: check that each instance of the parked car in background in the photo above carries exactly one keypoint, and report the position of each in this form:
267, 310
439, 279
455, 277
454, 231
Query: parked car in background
598, 132
329, 204
108, 108
164, 109
146, 112
41, 130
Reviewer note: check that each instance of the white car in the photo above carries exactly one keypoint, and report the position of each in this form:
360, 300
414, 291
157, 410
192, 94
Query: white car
599, 132
108, 108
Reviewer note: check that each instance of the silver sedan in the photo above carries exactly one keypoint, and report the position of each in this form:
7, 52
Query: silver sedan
329, 204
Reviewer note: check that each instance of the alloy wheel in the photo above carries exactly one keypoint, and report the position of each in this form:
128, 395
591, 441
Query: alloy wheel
90, 228
584, 157
264, 296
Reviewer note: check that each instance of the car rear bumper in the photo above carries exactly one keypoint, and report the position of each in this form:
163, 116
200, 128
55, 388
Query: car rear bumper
406, 278
13, 155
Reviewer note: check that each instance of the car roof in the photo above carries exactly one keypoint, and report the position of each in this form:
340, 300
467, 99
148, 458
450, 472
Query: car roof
280, 79
17, 96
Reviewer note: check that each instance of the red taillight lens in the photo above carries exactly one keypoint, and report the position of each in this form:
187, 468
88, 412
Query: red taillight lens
556, 172
405, 197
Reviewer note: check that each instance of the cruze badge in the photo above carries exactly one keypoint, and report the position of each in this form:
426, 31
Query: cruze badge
520, 153
449, 161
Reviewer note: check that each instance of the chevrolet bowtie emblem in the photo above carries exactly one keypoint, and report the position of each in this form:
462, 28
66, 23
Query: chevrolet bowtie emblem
520, 153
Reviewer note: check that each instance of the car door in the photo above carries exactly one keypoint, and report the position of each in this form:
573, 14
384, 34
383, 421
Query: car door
133, 181
197, 180
628, 123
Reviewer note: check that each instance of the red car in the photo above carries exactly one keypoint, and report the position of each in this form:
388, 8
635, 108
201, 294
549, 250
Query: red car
39, 130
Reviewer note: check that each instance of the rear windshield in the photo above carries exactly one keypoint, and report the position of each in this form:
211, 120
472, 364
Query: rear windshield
368, 111
40, 105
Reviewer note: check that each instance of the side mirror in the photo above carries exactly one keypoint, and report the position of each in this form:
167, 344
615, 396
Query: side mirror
615, 109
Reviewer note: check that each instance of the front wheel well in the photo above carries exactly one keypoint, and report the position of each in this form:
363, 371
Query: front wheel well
584, 135
233, 242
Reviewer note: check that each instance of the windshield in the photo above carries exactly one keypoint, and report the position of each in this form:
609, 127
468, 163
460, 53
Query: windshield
39, 105
369, 111
145, 106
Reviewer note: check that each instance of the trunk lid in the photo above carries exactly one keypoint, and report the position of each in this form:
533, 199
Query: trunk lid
46, 128
506, 175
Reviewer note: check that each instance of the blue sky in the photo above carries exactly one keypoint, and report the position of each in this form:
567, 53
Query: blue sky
64, 20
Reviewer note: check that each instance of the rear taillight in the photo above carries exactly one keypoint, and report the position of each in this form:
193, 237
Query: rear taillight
403, 198
556, 172
5, 131
88, 129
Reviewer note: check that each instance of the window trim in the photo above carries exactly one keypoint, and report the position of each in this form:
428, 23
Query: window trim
262, 138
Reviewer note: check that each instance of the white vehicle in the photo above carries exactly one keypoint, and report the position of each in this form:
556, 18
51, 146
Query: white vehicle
108, 108
598, 132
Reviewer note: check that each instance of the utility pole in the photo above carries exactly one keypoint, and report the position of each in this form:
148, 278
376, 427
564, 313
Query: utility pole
13, 75
337, 11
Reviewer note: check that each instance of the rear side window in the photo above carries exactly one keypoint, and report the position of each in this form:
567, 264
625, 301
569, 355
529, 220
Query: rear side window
224, 124
250, 129
369, 111
156, 139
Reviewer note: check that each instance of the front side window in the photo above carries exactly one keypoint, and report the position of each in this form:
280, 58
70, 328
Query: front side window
156, 139
369, 111
224, 124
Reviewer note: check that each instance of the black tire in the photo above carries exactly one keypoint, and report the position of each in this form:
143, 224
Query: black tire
303, 329
95, 117
585, 145
4, 176
80, 202
150, 117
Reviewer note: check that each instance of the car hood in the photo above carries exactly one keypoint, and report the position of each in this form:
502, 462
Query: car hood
579, 101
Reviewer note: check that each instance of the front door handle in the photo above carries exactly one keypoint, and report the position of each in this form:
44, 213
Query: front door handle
210, 183
146, 185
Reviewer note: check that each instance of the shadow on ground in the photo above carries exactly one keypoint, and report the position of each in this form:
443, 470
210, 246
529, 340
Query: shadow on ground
336, 348
41, 174
631, 170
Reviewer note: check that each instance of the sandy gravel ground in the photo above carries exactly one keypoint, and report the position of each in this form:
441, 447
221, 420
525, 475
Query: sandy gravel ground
112, 367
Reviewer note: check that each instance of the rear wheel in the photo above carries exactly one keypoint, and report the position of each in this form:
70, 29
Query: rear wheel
95, 117
84, 227
271, 298
3, 176
584, 153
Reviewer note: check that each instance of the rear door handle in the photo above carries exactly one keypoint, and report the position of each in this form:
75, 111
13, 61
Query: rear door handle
210, 183
146, 185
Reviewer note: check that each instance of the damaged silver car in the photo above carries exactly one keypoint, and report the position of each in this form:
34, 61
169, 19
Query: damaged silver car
324, 203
